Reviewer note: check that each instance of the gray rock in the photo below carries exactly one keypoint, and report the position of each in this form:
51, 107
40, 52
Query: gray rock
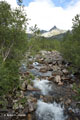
65, 71
24, 85
23, 69
58, 79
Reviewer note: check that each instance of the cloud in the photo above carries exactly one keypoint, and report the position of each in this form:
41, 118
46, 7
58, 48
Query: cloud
13, 3
45, 14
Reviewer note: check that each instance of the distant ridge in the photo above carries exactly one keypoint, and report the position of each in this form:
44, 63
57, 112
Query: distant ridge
43, 31
53, 32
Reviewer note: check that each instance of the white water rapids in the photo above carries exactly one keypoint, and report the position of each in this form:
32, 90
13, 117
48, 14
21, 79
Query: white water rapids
47, 111
43, 85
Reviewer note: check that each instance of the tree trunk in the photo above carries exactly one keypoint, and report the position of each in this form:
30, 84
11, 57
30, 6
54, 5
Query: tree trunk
7, 53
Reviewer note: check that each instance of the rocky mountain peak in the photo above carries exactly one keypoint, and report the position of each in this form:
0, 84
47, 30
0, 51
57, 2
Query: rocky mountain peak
53, 32
53, 28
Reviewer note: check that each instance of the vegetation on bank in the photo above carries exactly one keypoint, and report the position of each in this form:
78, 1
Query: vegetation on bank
13, 44
71, 43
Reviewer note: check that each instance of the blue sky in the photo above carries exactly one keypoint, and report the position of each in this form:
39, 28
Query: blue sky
26, 2
57, 3
63, 3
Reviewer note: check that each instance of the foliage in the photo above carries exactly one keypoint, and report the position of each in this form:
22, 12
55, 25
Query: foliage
41, 43
12, 31
3, 102
8, 77
13, 44
35, 30
77, 89
70, 47
23, 100
20, 2
71, 43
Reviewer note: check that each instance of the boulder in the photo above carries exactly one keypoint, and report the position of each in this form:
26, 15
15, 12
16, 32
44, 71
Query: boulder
65, 71
34, 100
32, 106
57, 79
68, 102
60, 83
31, 99
51, 78
54, 62
22, 94
43, 70
41, 60
48, 99
49, 60
56, 68
23, 69
58, 72
29, 116
15, 101
65, 78
25, 110
59, 62
43, 52
20, 106
24, 86
50, 68
29, 87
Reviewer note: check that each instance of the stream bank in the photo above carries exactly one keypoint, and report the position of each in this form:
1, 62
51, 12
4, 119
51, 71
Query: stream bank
46, 91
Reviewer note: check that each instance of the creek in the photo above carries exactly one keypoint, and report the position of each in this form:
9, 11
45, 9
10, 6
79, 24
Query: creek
52, 88
46, 111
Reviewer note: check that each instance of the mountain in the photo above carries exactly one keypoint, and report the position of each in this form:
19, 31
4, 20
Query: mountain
43, 31
53, 28
54, 31
57, 37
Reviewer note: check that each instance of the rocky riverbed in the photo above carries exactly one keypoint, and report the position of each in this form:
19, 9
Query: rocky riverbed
46, 90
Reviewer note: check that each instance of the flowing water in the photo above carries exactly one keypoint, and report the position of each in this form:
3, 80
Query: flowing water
46, 111
43, 85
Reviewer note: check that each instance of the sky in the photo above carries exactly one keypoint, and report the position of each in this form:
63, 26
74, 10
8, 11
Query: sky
47, 13
58, 3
